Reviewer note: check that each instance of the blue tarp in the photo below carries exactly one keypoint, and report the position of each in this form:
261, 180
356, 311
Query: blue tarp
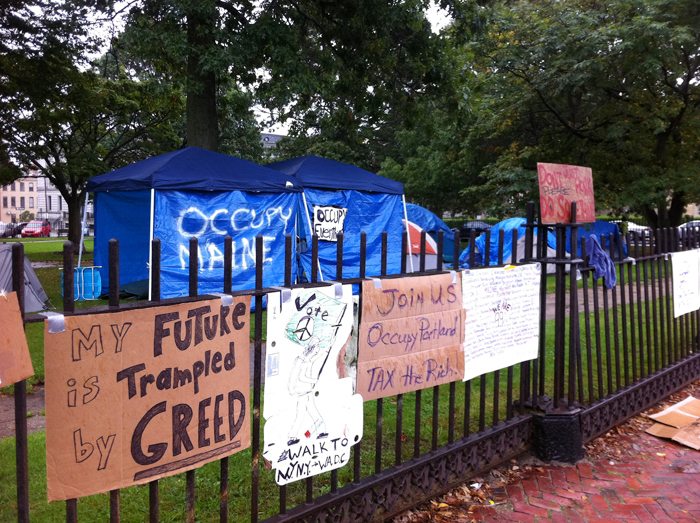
429, 222
507, 226
194, 169
373, 204
125, 216
197, 193
314, 172
179, 215
366, 212
598, 229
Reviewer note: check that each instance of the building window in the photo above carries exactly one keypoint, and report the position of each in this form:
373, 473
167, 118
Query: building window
5, 187
12, 187
4, 202
21, 202
48, 202
31, 202
60, 203
13, 202
21, 186
31, 187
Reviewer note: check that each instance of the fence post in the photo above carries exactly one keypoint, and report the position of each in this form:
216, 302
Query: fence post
69, 308
21, 446
557, 432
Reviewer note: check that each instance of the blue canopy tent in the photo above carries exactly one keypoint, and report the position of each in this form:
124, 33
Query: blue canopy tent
433, 225
339, 197
599, 229
507, 226
193, 192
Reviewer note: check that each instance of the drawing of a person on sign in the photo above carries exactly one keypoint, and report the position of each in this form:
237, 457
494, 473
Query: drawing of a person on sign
302, 381
316, 330
312, 416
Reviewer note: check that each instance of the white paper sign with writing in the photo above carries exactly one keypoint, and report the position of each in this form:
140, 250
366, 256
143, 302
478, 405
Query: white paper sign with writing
501, 317
312, 416
329, 221
686, 293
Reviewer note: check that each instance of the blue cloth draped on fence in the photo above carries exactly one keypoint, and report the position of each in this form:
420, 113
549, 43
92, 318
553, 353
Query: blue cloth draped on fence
603, 266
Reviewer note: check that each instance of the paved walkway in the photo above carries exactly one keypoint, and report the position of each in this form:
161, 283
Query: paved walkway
628, 476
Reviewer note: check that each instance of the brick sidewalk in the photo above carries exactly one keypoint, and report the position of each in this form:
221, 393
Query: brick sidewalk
627, 476
654, 481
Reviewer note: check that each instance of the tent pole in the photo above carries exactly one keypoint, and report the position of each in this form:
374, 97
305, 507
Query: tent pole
311, 232
150, 248
408, 243
82, 230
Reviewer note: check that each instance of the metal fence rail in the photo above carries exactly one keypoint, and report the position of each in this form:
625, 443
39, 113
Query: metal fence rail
608, 352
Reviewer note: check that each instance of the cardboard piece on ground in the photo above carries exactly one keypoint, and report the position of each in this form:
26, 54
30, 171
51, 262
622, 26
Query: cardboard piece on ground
133, 396
662, 431
688, 435
681, 414
15, 361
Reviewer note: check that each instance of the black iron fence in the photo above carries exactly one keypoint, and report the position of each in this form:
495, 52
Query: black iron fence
608, 353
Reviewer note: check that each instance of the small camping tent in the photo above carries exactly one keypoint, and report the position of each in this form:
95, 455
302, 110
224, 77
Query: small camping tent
602, 230
339, 197
508, 226
34, 296
193, 192
433, 225
414, 253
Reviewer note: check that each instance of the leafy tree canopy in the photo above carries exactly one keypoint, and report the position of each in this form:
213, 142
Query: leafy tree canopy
66, 120
613, 85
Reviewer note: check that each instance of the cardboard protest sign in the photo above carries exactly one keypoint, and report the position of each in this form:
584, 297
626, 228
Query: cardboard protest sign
15, 361
312, 415
685, 266
134, 396
502, 310
560, 185
411, 333
329, 221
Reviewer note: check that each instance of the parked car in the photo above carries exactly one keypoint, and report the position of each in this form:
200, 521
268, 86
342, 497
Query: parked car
467, 228
632, 227
12, 230
37, 229
694, 223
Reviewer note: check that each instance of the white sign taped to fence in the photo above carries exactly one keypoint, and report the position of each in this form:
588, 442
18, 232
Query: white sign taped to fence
685, 266
312, 415
329, 221
502, 323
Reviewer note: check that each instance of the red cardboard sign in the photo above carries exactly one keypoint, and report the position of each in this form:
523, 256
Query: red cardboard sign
560, 185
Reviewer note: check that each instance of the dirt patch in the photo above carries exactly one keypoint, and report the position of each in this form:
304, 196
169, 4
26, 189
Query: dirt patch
35, 406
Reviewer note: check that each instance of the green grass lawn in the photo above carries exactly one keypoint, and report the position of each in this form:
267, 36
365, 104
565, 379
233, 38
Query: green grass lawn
134, 500
50, 249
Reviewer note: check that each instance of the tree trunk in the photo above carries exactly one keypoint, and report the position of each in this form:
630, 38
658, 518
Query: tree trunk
202, 120
666, 216
74, 219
